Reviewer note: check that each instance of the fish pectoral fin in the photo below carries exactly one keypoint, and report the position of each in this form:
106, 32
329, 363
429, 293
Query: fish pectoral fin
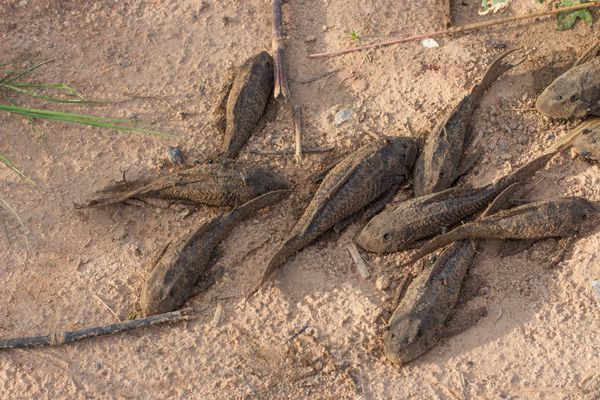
514, 246
218, 110
202, 286
595, 110
368, 211
468, 163
462, 319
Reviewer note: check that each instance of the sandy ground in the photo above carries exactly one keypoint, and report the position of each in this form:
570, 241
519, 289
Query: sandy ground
72, 269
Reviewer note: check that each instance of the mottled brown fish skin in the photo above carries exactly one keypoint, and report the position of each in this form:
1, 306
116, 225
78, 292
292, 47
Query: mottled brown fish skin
354, 183
574, 94
564, 217
216, 184
173, 277
402, 227
246, 102
439, 162
418, 323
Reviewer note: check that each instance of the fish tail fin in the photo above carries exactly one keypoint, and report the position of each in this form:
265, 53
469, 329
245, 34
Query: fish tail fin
286, 250
436, 243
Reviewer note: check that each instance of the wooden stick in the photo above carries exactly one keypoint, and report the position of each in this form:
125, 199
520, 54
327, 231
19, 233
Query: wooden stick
361, 267
298, 128
281, 83
289, 152
72, 336
447, 13
458, 29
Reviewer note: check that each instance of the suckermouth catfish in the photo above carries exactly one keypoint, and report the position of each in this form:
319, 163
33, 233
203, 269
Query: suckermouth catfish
439, 163
566, 217
373, 172
576, 93
176, 272
420, 320
244, 101
216, 184
408, 224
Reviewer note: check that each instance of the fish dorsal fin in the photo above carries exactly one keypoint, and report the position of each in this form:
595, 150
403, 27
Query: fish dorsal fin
443, 195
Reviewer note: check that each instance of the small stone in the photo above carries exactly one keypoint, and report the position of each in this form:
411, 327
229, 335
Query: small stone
502, 145
382, 283
175, 155
324, 28
522, 140
429, 43
310, 38
494, 44
596, 288
343, 116
23, 3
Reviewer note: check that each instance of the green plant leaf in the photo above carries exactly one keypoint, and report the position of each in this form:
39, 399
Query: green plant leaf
568, 19
11, 165
99, 122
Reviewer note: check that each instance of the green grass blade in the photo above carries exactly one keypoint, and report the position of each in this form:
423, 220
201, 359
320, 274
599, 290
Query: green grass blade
9, 78
18, 88
56, 86
16, 169
99, 122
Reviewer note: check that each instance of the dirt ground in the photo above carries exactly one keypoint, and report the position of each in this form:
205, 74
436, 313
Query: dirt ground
315, 331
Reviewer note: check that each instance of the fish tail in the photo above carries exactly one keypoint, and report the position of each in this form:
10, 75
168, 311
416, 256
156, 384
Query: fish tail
247, 209
454, 235
285, 251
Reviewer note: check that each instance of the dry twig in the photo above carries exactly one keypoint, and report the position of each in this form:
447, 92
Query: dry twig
458, 29
298, 130
288, 152
72, 336
281, 83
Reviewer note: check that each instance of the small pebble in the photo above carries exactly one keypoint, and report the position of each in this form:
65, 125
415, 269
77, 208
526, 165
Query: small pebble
494, 44
382, 283
522, 140
342, 116
175, 155
429, 43
596, 288
23, 3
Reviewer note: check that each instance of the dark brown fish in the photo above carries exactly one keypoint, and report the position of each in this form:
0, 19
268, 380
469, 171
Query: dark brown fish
420, 320
439, 163
564, 217
369, 173
418, 323
407, 225
176, 272
245, 102
216, 184
576, 93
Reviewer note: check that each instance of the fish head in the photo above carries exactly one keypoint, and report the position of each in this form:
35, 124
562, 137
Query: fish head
564, 99
587, 215
407, 338
264, 59
263, 181
402, 153
386, 232
161, 292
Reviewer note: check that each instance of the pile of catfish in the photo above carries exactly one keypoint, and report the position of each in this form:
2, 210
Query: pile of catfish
360, 186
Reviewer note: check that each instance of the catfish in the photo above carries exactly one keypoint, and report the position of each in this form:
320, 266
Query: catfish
370, 176
575, 93
243, 102
441, 160
215, 184
175, 273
